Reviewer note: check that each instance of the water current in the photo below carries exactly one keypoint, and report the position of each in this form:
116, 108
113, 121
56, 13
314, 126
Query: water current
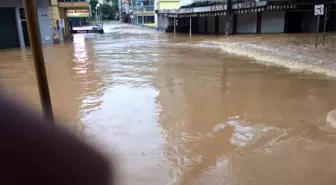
183, 111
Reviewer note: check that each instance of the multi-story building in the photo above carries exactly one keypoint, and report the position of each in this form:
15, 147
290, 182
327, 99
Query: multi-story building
13, 25
144, 12
67, 14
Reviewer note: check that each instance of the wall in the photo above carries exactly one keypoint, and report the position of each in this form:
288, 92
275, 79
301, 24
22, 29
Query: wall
247, 23
201, 24
273, 22
19, 27
44, 23
222, 20
167, 5
211, 28
163, 21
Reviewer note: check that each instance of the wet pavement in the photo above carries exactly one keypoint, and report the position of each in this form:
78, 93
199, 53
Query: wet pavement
175, 110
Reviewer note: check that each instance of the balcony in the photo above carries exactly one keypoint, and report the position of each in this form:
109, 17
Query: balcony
144, 8
73, 4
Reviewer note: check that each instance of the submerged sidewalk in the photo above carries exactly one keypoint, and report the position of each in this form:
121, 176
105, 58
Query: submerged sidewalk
293, 51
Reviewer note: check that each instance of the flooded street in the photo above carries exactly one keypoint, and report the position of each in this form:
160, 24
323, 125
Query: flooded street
180, 111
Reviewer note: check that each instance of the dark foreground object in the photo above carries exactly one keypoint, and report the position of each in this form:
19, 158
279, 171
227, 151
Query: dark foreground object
36, 152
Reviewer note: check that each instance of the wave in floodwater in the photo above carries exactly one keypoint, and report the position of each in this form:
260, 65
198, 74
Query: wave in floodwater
127, 29
291, 56
331, 118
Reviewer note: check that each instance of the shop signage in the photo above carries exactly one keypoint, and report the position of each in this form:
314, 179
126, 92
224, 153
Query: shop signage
218, 7
246, 5
186, 10
78, 13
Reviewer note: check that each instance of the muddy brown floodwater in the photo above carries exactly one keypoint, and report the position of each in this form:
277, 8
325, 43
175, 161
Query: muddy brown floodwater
174, 110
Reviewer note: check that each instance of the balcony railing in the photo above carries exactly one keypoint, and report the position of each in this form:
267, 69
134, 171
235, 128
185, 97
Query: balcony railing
145, 8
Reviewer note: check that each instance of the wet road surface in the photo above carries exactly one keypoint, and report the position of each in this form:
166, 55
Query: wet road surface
180, 111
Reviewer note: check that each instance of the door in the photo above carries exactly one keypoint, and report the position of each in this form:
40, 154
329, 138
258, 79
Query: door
25, 33
8, 29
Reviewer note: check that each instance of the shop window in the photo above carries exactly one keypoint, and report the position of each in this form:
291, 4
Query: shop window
149, 19
140, 20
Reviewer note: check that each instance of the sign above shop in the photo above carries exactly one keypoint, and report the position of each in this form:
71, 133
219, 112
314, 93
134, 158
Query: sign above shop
78, 13
248, 4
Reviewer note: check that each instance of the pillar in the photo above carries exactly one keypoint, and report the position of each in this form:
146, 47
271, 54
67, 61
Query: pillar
259, 17
228, 29
19, 27
174, 25
206, 25
190, 25
217, 24
286, 22
235, 23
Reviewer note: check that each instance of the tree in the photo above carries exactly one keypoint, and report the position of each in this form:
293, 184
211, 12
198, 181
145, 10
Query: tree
93, 4
107, 11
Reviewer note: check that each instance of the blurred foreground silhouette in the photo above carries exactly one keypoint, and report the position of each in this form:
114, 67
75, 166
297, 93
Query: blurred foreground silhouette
34, 151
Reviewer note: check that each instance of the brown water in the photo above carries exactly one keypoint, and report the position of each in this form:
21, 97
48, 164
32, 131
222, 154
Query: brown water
181, 111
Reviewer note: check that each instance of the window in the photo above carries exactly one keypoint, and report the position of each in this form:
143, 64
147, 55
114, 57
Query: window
148, 19
140, 20
144, 2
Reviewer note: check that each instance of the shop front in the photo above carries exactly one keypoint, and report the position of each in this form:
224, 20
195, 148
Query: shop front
77, 17
13, 26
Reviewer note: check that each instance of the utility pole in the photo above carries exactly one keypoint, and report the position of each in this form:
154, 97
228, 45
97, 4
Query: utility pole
228, 24
190, 26
40, 71
325, 24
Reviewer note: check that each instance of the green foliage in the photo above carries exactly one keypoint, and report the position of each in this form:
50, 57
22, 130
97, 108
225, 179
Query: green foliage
93, 4
107, 11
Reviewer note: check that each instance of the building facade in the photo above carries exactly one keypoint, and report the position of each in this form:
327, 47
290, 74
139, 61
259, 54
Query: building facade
165, 5
143, 12
247, 17
13, 27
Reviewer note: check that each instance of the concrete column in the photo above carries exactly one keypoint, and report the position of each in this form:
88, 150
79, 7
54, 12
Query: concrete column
174, 26
206, 25
190, 26
286, 22
235, 23
216, 24
44, 21
19, 27
259, 17
228, 29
